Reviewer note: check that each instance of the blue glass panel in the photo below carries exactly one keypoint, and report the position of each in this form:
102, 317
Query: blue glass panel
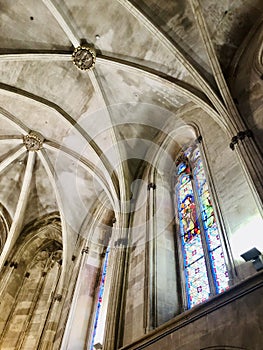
219, 269
192, 250
181, 168
217, 259
196, 154
197, 283
100, 296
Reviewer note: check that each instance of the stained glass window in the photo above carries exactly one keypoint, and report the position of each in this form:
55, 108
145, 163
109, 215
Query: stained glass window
100, 298
199, 234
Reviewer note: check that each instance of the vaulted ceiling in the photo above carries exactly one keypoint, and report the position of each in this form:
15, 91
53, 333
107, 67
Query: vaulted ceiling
91, 128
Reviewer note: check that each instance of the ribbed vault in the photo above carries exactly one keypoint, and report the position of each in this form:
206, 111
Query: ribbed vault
150, 62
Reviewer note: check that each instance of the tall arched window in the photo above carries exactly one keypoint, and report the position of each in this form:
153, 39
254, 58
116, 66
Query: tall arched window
205, 268
100, 314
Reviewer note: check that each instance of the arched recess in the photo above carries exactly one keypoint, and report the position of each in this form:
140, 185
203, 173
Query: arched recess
28, 285
235, 206
94, 238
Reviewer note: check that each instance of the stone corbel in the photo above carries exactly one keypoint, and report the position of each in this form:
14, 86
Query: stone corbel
241, 135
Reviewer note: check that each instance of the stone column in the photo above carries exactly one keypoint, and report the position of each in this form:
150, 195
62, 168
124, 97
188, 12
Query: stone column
150, 317
79, 324
114, 318
82, 279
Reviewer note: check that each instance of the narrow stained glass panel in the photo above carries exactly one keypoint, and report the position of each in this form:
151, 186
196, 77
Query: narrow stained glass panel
198, 228
197, 284
100, 296
192, 250
217, 259
219, 270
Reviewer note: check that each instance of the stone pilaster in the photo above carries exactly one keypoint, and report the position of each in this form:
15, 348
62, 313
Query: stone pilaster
114, 314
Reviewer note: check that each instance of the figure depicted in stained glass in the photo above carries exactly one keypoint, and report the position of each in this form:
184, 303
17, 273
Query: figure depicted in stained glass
192, 184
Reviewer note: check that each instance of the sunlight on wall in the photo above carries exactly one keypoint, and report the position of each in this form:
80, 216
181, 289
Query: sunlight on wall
247, 236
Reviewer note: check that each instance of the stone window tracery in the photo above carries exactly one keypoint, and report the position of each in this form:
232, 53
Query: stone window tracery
205, 268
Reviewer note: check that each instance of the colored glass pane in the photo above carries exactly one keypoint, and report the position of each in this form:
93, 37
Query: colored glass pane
100, 296
195, 270
197, 282
196, 154
217, 259
219, 269
181, 168
192, 250
188, 152
213, 239
187, 209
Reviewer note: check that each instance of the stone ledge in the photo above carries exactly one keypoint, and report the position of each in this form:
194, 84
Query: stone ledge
214, 303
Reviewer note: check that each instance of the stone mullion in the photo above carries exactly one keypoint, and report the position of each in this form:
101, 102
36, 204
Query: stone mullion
117, 260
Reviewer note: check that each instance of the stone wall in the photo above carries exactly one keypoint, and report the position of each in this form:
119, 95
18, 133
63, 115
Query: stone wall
232, 320
155, 291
